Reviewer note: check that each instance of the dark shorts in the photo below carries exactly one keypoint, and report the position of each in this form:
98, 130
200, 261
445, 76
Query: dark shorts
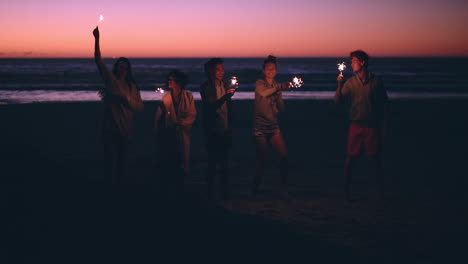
361, 137
262, 133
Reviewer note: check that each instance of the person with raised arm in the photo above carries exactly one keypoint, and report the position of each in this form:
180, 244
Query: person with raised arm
121, 98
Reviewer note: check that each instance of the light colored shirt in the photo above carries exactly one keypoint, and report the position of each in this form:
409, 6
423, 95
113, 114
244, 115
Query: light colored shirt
181, 119
120, 101
186, 111
268, 103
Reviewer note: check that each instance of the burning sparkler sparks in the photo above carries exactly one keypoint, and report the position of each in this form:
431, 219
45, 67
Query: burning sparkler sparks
159, 90
341, 67
296, 82
234, 83
101, 18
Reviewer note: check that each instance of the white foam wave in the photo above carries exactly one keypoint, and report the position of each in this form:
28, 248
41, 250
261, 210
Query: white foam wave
21, 97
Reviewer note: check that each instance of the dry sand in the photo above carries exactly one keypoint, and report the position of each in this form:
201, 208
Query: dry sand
58, 208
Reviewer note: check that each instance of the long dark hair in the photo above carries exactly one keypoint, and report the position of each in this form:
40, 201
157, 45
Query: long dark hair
129, 79
210, 66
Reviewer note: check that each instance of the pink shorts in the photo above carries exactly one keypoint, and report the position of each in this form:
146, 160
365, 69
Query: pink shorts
363, 137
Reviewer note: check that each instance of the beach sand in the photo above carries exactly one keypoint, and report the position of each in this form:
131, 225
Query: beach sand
59, 210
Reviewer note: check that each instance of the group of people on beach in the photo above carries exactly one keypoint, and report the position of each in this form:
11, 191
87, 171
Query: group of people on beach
364, 93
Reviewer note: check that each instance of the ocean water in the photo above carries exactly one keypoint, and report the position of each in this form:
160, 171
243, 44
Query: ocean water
45, 80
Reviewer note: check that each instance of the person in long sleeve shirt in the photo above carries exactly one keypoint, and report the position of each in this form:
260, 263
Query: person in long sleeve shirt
268, 103
368, 107
174, 118
121, 99
217, 118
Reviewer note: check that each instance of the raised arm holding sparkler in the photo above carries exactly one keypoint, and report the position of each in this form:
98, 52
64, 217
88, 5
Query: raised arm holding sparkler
97, 50
121, 98
118, 82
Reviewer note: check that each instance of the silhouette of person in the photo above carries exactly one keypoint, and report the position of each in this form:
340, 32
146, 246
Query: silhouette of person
268, 103
217, 123
173, 122
368, 103
121, 98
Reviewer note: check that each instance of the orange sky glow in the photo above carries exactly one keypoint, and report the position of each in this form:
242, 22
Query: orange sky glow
254, 28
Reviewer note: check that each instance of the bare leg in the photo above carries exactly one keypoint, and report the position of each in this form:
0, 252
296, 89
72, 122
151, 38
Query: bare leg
261, 151
279, 146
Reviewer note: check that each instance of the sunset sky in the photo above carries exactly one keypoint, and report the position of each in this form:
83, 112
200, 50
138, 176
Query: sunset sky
242, 28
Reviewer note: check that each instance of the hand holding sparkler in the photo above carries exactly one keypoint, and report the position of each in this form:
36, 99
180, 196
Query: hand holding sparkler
233, 85
339, 79
231, 91
96, 33
341, 67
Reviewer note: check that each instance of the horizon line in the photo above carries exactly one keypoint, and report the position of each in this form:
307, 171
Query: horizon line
247, 57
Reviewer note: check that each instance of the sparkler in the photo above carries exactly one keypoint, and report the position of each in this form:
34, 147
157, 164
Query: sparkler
296, 82
101, 18
341, 67
234, 83
159, 90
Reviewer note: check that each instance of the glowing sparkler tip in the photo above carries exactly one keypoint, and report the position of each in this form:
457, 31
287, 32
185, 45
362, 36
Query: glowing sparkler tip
296, 82
159, 90
341, 66
101, 18
234, 82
